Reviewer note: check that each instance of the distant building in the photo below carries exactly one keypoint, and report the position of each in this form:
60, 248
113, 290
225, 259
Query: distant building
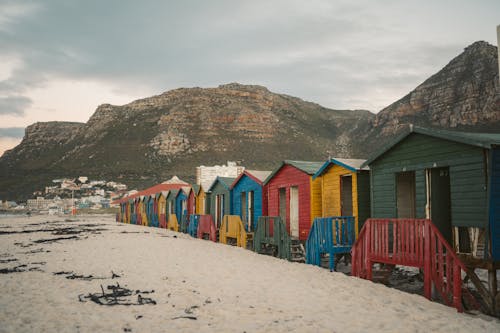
205, 175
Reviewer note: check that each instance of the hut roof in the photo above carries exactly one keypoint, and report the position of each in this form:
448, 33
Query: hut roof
257, 175
225, 181
483, 140
173, 183
196, 188
305, 166
347, 163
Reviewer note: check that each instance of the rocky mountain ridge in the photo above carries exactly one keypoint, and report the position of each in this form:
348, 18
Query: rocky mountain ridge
148, 140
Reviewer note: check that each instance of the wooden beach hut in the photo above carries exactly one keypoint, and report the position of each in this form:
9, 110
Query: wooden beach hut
143, 209
294, 196
161, 199
451, 178
170, 202
249, 200
185, 204
201, 199
135, 203
345, 189
220, 203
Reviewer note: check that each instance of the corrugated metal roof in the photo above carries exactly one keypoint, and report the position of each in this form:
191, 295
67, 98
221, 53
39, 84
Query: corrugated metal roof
172, 183
483, 140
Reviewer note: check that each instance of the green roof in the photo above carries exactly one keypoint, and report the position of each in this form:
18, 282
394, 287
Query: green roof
196, 188
226, 181
483, 140
305, 166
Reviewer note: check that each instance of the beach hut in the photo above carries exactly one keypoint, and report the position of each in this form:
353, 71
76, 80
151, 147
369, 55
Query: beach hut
249, 201
149, 207
345, 189
170, 202
201, 199
184, 204
143, 209
293, 195
220, 203
137, 211
451, 178
151, 210
161, 199
132, 209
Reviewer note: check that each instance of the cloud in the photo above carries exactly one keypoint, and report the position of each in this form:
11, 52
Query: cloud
14, 105
340, 54
12, 132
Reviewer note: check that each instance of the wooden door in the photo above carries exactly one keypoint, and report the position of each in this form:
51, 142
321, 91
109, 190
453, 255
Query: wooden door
440, 201
405, 192
294, 211
243, 208
346, 196
282, 204
250, 210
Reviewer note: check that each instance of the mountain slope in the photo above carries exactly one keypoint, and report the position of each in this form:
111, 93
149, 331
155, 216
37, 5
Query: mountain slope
464, 95
148, 140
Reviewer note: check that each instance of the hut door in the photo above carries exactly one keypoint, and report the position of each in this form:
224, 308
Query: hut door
250, 212
219, 208
282, 204
346, 196
294, 211
244, 209
440, 201
405, 191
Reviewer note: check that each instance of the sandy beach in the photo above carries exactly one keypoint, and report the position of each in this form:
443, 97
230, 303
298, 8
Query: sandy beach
91, 274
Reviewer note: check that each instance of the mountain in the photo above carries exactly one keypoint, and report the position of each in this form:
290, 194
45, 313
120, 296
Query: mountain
148, 140
464, 95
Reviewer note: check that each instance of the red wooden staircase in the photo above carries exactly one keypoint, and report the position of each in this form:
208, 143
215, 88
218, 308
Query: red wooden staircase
416, 243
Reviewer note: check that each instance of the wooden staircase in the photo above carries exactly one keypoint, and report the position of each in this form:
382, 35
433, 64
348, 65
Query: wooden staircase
418, 243
297, 251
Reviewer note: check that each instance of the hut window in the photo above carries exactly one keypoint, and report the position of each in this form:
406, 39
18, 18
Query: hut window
405, 192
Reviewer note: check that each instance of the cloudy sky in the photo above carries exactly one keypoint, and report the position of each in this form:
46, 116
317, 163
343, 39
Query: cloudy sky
60, 59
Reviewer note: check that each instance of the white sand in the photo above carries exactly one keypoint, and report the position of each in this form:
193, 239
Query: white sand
235, 290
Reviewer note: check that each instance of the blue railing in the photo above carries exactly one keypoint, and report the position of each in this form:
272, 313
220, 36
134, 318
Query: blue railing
330, 235
192, 227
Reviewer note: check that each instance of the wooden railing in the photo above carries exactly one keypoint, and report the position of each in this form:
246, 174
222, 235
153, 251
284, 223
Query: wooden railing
206, 226
271, 231
329, 235
233, 228
192, 227
416, 243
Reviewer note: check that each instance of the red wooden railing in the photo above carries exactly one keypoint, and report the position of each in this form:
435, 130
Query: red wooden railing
206, 226
411, 242
163, 221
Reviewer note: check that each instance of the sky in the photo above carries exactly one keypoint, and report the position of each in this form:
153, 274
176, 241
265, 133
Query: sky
60, 59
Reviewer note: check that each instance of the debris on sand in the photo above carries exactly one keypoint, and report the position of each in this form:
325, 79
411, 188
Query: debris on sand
51, 240
117, 296
70, 275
